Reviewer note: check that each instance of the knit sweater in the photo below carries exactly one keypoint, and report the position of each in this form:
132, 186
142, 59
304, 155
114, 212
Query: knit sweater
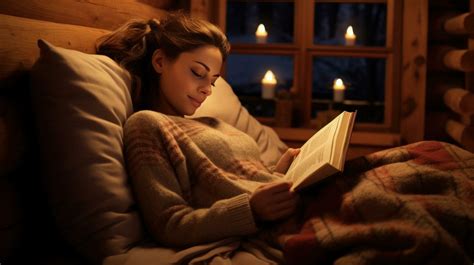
192, 177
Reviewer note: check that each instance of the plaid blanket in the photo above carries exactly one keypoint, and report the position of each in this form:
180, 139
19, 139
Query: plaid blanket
407, 205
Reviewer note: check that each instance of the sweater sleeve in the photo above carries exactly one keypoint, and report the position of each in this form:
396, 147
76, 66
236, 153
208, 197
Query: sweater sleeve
163, 194
172, 221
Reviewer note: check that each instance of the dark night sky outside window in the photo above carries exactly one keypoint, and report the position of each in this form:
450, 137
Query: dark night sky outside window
367, 20
243, 19
245, 72
364, 78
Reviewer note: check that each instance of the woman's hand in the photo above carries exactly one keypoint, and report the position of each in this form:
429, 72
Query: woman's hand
285, 160
273, 201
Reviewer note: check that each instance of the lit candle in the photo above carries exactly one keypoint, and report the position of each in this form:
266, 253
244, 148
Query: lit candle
338, 93
350, 36
268, 85
261, 34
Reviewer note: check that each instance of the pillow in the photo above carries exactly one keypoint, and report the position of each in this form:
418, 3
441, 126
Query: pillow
81, 102
225, 105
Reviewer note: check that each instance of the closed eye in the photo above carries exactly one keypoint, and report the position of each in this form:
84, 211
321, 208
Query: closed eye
201, 76
196, 74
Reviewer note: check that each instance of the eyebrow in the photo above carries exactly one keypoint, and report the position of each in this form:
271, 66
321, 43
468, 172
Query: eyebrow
207, 67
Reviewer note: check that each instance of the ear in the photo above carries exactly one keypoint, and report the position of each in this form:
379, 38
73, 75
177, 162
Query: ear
157, 60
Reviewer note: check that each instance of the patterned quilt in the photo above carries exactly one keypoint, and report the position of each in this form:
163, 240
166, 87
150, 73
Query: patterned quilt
407, 205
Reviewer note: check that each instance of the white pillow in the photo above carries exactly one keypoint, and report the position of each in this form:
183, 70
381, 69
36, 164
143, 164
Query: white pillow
225, 105
81, 102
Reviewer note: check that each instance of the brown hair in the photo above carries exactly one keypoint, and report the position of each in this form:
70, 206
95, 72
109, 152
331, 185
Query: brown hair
133, 44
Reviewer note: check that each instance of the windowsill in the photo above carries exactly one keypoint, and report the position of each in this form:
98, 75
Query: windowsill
381, 139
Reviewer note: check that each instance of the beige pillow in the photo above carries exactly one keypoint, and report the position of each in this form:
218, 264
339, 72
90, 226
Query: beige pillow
225, 105
81, 102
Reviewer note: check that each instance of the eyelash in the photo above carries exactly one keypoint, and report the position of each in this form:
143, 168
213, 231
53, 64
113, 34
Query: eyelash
200, 76
196, 74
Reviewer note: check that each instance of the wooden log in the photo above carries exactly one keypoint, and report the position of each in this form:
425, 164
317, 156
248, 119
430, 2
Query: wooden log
103, 14
436, 27
461, 24
462, 60
461, 133
438, 84
467, 120
459, 100
413, 82
18, 48
435, 58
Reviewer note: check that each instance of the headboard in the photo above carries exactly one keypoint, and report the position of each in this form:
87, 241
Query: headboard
73, 24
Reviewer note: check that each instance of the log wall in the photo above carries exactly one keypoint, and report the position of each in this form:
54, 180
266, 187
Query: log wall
450, 89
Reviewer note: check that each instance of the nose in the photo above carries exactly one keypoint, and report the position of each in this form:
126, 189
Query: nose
206, 89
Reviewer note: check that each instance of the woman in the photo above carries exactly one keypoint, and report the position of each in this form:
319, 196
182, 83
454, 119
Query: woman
196, 181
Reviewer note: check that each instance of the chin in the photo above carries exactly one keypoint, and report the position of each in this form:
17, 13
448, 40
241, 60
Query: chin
189, 112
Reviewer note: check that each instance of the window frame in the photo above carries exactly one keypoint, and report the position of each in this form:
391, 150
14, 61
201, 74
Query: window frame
406, 46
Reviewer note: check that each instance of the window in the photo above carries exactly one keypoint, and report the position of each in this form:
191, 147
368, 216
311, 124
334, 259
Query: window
307, 46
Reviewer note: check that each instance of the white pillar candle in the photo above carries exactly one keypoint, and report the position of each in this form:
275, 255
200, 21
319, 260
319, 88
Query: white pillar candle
338, 90
268, 85
261, 34
350, 36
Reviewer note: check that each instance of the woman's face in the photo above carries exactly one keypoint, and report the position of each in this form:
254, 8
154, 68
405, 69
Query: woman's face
187, 81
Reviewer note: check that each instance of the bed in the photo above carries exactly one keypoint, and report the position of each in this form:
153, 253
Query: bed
66, 198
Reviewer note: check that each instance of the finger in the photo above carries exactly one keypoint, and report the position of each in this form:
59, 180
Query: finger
277, 187
293, 153
283, 213
283, 196
285, 205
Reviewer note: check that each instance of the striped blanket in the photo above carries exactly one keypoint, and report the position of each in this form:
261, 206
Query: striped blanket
407, 205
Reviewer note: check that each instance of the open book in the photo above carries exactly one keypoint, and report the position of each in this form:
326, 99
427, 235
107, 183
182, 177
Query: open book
323, 154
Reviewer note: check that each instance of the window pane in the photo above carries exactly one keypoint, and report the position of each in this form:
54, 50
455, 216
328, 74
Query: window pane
243, 19
363, 80
245, 72
368, 21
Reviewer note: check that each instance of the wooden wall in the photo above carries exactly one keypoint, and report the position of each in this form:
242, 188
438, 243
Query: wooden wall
67, 23
450, 77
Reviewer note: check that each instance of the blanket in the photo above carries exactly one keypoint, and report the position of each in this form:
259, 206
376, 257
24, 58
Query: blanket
407, 205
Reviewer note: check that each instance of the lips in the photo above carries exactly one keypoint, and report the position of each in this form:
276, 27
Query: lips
196, 103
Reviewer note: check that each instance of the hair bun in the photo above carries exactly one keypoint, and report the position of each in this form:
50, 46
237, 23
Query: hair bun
154, 24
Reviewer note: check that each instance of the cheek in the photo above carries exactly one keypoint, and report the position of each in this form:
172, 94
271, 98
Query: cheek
177, 79
185, 83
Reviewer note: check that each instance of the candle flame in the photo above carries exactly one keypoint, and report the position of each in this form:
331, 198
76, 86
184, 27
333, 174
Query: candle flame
269, 78
261, 30
338, 84
350, 32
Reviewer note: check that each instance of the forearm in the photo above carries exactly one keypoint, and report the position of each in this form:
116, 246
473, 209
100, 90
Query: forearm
181, 225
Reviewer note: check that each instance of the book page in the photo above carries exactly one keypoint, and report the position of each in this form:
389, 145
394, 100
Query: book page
317, 151
343, 138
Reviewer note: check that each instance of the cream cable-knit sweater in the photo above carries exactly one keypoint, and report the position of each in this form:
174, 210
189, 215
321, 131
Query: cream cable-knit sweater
192, 177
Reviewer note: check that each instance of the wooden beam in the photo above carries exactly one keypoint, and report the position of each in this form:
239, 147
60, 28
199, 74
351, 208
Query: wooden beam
462, 24
103, 14
469, 79
467, 120
461, 133
358, 137
459, 100
462, 60
200, 9
438, 85
18, 48
414, 47
446, 58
